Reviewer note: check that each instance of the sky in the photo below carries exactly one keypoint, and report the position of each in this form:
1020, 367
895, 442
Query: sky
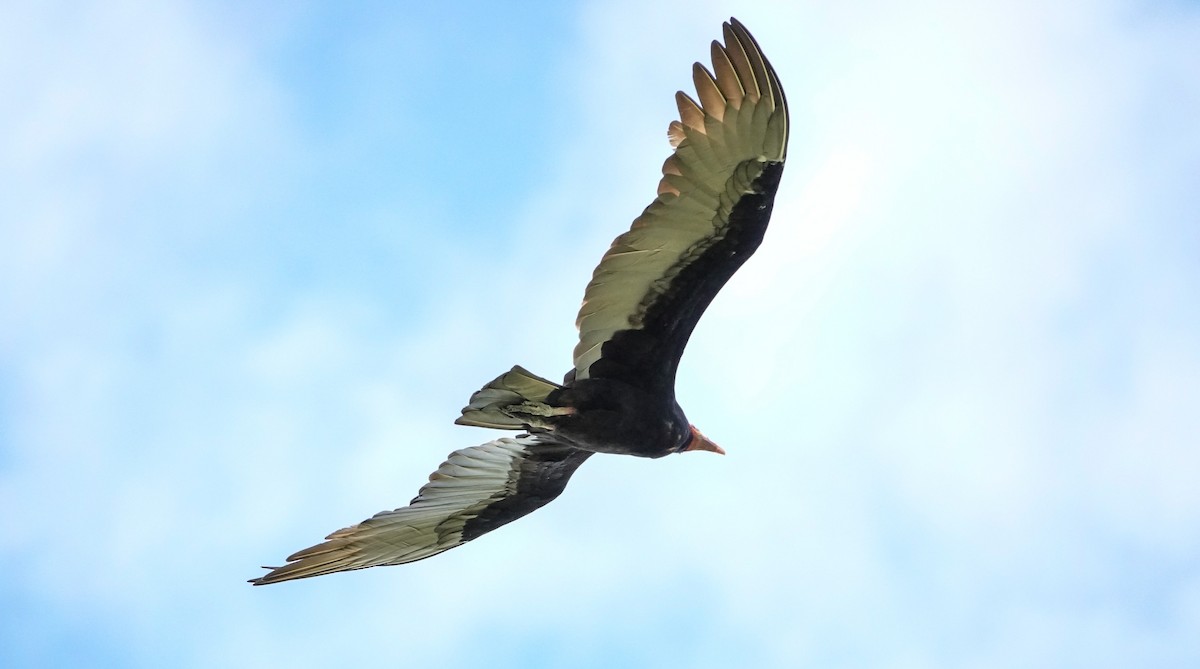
255, 256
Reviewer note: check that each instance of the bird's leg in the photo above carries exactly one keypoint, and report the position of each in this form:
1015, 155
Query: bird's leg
538, 409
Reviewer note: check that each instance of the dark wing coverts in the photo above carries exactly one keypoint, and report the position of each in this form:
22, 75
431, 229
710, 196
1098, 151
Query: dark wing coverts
473, 492
713, 204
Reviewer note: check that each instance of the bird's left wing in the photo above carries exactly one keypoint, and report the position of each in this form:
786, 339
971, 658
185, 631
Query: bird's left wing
473, 492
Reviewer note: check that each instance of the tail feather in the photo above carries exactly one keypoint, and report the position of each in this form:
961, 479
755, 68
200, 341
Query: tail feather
515, 400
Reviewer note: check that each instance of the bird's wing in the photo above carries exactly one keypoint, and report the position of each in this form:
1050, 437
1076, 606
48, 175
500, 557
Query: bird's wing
713, 204
473, 492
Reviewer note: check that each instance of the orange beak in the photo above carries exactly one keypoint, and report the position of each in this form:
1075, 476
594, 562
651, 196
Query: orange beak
701, 443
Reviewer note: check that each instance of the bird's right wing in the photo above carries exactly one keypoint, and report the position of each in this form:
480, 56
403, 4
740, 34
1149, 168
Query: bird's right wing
713, 204
473, 492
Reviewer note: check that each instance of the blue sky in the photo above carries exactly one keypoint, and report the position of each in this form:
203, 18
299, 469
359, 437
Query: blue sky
254, 259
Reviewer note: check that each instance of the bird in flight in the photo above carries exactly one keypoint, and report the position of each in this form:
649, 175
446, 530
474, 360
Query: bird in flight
645, 296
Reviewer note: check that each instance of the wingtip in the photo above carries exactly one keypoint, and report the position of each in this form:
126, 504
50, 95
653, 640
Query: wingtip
261, 580
266, 579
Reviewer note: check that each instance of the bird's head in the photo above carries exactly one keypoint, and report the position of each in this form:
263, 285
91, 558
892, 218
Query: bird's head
698, 442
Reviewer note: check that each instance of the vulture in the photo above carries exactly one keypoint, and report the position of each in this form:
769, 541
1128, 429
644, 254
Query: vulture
651, 286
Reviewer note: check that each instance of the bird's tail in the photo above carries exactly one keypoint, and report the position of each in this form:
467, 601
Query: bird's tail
515, 400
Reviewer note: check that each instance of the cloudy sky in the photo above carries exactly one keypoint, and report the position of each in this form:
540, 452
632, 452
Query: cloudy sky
253, 260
